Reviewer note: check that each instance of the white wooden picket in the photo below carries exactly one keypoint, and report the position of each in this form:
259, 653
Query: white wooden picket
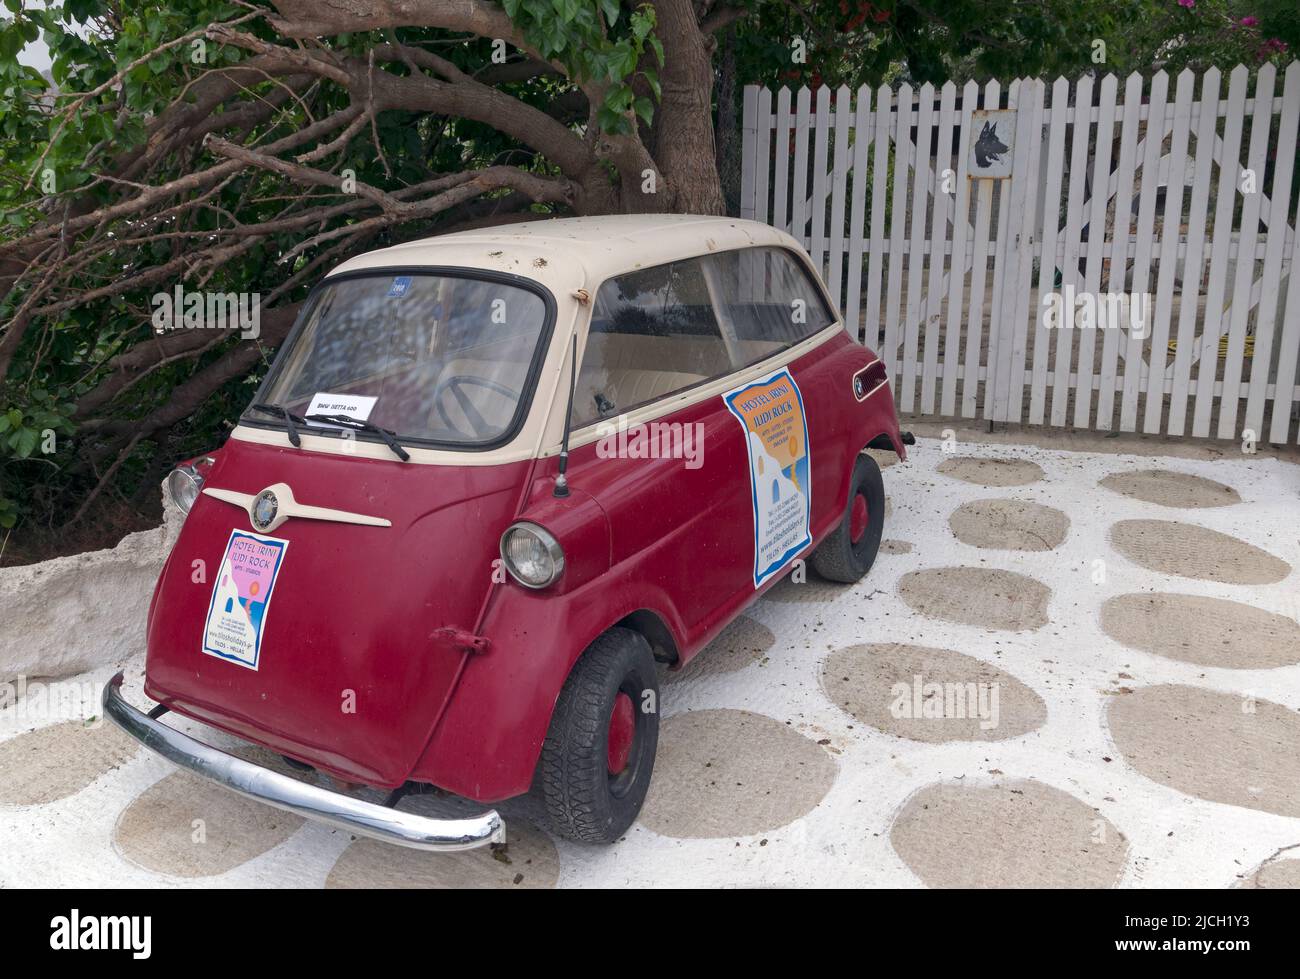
1170, 204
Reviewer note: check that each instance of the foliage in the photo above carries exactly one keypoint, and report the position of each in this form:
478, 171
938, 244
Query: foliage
50, 161
856, 42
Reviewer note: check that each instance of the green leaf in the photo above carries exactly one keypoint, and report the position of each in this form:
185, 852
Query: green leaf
23, 442
643, 21
619, 99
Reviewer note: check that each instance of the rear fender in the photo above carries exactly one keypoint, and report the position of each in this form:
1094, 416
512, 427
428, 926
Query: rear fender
875, 422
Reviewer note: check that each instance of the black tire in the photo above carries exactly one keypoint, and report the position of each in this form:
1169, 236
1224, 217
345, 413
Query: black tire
839, 557
584, 801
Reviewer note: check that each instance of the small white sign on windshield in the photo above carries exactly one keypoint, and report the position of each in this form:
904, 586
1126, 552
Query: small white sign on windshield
356, 406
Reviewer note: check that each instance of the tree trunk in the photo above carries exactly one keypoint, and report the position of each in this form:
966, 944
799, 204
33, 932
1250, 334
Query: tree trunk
728, 125
685, 115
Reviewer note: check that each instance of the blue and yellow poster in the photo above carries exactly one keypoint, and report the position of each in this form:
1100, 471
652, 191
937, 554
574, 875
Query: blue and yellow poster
770, 410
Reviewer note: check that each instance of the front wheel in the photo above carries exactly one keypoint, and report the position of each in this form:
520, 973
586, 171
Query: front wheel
600, 748
850, 550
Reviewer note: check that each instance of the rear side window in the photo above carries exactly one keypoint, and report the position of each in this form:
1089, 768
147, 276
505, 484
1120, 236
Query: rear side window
657, 331
766, 296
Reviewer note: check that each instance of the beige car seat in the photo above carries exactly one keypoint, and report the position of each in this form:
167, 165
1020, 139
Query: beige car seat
627, 369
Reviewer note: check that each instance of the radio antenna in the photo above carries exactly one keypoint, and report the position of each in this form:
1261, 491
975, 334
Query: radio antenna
562, 481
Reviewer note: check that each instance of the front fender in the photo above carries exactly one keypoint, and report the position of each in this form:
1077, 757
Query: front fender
487, 744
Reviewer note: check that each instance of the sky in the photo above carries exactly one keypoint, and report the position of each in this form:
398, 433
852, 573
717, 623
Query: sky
36, 54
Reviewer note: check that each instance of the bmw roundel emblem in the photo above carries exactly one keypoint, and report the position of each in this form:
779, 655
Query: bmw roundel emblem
265, 507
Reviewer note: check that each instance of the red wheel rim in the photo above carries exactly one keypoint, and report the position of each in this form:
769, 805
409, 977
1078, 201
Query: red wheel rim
622, 728
858, 518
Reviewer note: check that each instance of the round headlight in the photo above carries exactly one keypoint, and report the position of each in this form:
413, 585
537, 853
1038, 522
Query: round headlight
183, 487
531, 555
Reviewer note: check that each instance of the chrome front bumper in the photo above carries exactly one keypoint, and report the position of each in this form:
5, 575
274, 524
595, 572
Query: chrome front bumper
309, 801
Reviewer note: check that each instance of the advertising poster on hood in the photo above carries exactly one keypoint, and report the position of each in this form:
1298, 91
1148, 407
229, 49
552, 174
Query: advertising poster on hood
241, 597
770, 410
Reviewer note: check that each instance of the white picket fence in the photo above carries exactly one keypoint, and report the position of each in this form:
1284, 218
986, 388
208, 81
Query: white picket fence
1186, 196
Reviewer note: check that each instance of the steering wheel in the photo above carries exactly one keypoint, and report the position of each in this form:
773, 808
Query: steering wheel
456, 385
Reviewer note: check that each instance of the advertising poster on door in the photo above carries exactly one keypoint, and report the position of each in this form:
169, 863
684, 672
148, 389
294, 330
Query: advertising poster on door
771, 412
241, 596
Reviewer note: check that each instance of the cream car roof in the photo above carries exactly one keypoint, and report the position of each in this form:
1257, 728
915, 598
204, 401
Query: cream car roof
565, 255
572, 253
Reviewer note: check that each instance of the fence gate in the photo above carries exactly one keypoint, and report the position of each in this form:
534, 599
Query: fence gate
1065, 255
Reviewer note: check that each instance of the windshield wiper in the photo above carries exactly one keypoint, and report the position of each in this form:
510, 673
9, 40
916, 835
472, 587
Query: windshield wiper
291, 421
347, 421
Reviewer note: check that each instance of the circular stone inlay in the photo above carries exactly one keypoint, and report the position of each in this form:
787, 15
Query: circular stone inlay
1215, 746
1009, 525
727, 773
895, 547
991, 472
529, 860
1172, 489
986, 597
1204, 631
1184, 549
58, 760
1278, 873
928, 694
186, 826
740, 644
1012, 834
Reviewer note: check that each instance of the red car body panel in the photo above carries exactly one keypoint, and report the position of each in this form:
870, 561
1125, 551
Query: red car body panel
357, 610
681, 548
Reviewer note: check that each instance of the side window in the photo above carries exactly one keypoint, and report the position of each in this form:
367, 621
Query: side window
767, 301
656, 331
653, 332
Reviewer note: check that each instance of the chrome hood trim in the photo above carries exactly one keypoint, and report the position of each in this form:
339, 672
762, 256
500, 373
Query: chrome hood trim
289, 507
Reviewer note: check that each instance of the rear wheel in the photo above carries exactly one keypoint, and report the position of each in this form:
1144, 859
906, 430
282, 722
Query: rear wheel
599, 752
850, 550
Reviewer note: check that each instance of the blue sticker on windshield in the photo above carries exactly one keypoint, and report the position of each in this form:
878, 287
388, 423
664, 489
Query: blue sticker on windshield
399, 287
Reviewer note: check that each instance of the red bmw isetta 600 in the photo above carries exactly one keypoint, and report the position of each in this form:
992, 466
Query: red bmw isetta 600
490, 479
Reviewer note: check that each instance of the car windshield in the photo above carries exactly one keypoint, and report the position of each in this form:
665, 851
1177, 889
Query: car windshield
431, 357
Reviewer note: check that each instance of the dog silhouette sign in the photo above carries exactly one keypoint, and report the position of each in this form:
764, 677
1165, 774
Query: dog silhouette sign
992, 143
